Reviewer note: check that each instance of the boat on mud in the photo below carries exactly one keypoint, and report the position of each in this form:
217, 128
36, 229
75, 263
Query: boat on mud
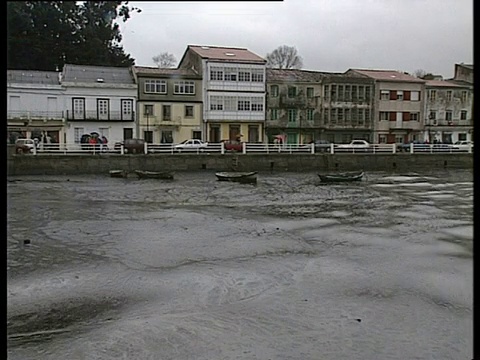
341, 177
241, 177
165, 175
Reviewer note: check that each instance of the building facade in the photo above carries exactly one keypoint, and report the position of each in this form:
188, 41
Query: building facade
35, 106
399, 105
448, 112
169, 104
99, 99
233, 84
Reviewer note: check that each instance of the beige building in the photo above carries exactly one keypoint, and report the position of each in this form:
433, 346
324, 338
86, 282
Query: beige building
233, 91
398, 104
169, 105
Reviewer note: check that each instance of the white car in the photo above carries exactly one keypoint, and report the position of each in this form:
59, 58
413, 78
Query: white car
191, 144
355, 145
463, 145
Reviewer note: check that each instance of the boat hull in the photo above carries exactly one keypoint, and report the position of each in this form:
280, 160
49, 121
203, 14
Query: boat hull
165, 175
246, 178
118, 173
341, 177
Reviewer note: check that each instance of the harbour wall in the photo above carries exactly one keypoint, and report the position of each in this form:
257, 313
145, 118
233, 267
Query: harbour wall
51, 164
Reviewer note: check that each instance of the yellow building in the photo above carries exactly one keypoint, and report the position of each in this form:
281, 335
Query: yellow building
169, 105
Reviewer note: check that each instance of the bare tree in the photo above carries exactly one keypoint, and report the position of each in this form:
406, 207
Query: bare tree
284, 57
165, 60
419, 73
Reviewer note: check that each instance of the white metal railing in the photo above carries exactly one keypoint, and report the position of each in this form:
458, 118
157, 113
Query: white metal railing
247, 148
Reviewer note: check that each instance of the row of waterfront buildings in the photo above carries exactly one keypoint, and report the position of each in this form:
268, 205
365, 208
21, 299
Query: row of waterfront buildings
218, 93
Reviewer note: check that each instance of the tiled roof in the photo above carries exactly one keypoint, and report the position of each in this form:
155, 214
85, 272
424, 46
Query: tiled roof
88, 73
291, 75
33, 77
226, 53
388, 75
145, 70
441, 83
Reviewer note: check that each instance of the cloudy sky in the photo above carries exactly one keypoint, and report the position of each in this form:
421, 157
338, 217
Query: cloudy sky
330, 35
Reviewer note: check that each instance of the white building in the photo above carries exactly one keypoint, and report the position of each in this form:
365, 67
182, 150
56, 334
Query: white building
35, 105
99, 99
233, 91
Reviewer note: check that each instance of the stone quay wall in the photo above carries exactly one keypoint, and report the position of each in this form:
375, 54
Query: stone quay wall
51, 164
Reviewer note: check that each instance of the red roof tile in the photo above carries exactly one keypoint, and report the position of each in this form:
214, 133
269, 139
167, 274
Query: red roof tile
388, 75
226, 54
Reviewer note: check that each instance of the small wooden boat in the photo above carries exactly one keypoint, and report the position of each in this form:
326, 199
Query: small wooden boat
241, 177
166, 175
119, 173
342, 177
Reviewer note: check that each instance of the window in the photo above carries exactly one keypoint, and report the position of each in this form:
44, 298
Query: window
384, 116
216, 103
367, 92
354, 93
462, 137
184, 87
340, 93
292, 91
148, 110
257, 76
243, 76
216, 74
348, 116
274, 90
464, 96
340, 116
448, 115
414, 116
274, 114
230, 74
156, 86
384, 95
257, 104
310, 114
449, 95
361, 118
127, 108
292, 115
432, 95
148, 136
361, 93
77, 134
399, 95
348, 93
333, 116
432, 115
230, 103
414, 95
333, 92
463, 115
78, 108
309, 92
325, 92
382, 139
103, 108
399, 139
243, 104
166, 112
188, 111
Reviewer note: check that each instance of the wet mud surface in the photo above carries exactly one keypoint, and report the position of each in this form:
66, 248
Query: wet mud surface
289, 268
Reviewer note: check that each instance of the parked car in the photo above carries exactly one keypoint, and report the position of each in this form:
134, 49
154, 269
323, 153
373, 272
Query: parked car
25, 146
417, 146
131, 146
355, 145
232, 145
191, 144
320, 145
464, 145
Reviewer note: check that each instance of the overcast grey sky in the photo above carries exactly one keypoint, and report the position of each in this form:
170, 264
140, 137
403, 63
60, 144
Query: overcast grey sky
330, 35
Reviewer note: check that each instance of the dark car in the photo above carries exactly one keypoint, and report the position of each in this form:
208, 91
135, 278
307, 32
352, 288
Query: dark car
417, 146
233, 145
321, 145
131, 146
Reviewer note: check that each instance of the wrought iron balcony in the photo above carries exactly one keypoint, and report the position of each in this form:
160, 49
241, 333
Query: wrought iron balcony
34, 115
93, 115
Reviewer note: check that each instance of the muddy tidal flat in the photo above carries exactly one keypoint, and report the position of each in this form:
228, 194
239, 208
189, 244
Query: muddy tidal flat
106, 268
